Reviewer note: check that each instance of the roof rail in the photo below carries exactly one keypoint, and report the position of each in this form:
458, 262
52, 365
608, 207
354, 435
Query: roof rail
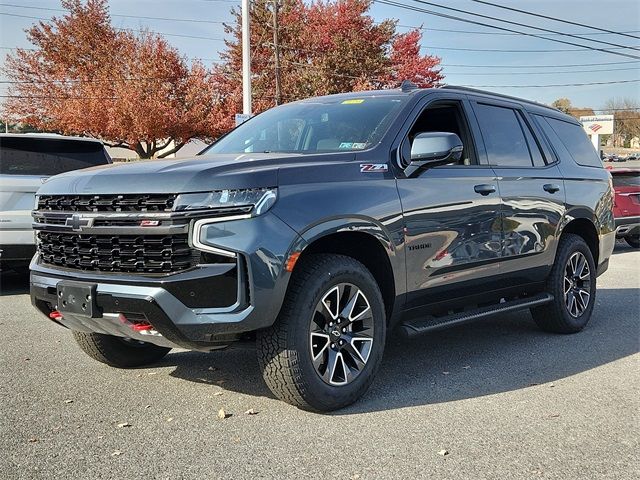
501, 95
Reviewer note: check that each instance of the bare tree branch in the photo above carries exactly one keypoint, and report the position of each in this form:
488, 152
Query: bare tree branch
177, 147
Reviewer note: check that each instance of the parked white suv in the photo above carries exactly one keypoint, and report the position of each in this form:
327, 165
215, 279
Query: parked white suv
26, 162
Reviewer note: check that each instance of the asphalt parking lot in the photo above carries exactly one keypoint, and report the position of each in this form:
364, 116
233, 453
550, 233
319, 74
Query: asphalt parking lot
502, 398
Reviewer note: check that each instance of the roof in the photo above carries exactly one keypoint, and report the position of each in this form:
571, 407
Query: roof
47, 136
413, 91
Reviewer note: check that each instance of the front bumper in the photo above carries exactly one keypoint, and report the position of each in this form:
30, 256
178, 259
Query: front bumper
187, 309
627, 226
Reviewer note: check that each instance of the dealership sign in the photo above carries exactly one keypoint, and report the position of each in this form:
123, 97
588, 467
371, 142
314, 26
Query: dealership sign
598, 124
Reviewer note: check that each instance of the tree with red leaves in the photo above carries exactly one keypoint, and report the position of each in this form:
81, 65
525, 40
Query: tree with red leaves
86, 78
326, 47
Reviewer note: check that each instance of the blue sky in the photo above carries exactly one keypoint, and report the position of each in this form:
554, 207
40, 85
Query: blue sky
512, 68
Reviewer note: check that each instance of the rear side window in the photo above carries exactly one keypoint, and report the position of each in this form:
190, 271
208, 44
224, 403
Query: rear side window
576, 142
626, 179
503, 136
45, 157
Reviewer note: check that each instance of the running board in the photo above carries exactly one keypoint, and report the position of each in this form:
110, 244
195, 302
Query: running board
418, 327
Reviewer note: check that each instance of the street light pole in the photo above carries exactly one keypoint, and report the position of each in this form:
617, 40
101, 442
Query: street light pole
246, 60
276, 48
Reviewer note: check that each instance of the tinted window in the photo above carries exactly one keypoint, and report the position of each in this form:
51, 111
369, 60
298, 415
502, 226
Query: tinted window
534, 148
503, 137
576, 142
627, 179
314, 126
35, 156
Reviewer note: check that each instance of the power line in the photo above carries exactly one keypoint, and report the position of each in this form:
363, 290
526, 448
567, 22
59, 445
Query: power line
554, 72
625, 34
126, 29
452, 17
540, 66
526, 25
554, 85
477, 32
115, 14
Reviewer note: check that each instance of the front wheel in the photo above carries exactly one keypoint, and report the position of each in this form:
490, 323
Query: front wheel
326, 345
119, 352
572, 283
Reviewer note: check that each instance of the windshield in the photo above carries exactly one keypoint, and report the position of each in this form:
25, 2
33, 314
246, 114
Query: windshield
313, 127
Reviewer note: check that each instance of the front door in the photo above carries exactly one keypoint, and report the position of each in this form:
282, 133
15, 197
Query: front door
451, 215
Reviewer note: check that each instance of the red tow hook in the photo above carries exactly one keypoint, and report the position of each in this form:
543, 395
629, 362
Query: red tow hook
55, 315
140, 327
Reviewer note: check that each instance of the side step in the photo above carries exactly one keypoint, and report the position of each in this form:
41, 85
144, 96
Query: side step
416, 327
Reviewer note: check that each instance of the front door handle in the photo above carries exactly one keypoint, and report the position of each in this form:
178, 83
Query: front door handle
551, 187
484, 189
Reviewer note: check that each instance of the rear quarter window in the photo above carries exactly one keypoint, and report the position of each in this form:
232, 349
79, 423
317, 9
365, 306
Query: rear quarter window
46, 157
576, 142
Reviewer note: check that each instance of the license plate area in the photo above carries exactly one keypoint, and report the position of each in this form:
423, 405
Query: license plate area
77, 298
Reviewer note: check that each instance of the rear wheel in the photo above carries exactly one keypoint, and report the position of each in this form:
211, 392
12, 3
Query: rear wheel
573, 284
633, 240
119, 352
326, 345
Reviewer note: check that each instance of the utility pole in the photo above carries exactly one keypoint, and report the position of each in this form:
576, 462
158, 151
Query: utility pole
276, 48
246, 59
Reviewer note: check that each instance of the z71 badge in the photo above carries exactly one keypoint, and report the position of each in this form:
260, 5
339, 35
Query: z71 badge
374, 167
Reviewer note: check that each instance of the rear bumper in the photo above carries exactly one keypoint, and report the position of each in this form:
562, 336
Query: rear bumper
195, 309
627, 226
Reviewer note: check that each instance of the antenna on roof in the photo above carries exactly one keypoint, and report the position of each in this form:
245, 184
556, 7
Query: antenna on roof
407, 86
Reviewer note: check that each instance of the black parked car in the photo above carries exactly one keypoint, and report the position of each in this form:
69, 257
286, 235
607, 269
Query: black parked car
319, 226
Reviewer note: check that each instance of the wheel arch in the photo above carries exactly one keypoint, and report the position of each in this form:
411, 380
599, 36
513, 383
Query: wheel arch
367, 242
585, 228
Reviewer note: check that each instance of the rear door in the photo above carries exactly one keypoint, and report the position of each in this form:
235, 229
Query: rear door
531, 189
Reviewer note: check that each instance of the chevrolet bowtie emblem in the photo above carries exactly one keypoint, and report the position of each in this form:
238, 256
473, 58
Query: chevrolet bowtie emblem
77, 222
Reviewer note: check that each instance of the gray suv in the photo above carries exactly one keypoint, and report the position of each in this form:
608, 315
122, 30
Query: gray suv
317, 227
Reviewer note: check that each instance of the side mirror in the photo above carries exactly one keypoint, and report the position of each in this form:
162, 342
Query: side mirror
433, 148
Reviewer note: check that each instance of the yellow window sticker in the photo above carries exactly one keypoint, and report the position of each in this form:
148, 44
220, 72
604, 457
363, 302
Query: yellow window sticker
352, 101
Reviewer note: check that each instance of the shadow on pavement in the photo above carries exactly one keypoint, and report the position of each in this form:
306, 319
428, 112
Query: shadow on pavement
500, 354
12, 283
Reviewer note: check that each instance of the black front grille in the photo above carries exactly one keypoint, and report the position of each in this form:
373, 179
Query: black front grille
121, 253
107, 203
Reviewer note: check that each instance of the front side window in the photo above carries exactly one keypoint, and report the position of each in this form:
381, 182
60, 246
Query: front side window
503, 136
336, 125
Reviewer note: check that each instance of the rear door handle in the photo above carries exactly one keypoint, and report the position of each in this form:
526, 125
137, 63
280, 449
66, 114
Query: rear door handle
551, 187
484, 189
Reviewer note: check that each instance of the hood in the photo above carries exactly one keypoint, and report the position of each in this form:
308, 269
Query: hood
198, 174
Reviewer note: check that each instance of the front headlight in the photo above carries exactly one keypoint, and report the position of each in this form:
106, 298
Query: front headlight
255, 201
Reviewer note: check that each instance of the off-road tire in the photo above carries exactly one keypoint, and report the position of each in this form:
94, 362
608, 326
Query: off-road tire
118, 352
284, 350
554, 317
